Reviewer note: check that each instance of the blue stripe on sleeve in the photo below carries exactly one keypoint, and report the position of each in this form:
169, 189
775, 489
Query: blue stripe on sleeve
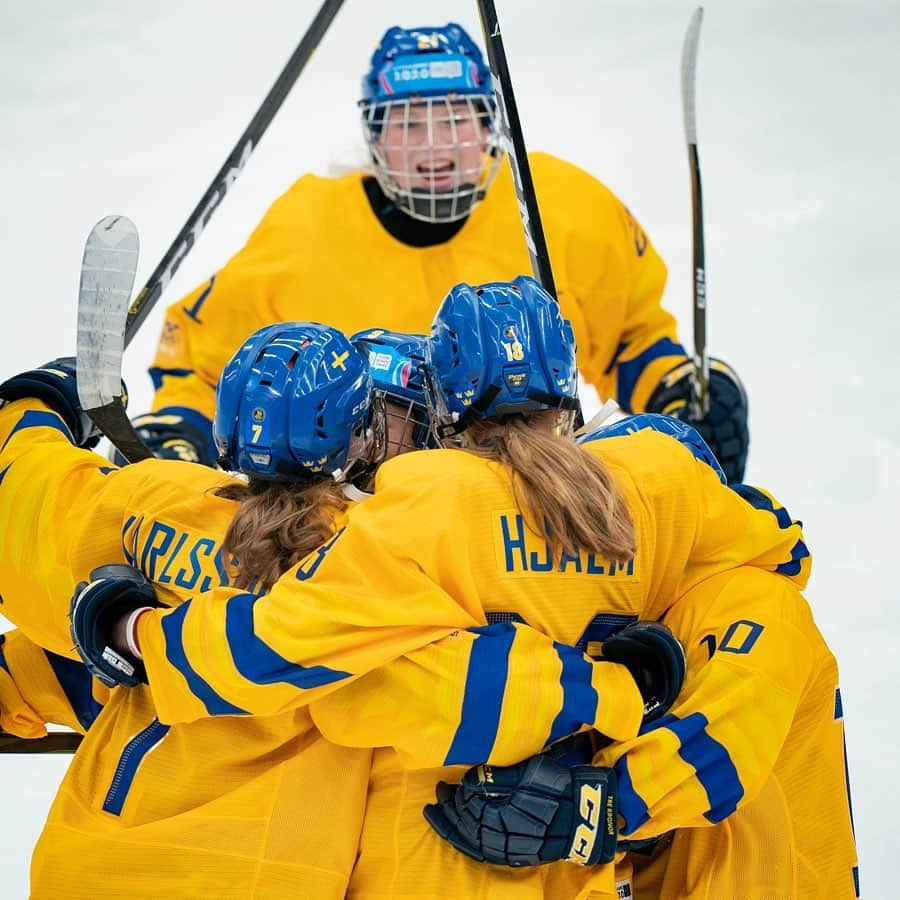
483, 698
630, 371
257, 661
3, 474
580, 700
758, 500
711, 761
631, 806
34, 418
3, 663
838, 705
799, 552
77, 684
172, 624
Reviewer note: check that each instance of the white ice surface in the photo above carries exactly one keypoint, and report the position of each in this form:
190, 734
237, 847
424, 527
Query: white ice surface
125, 107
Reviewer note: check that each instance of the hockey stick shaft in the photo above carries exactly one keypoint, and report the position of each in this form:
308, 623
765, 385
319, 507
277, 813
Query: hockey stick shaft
226, 176
689, 108
518, 157
56, 742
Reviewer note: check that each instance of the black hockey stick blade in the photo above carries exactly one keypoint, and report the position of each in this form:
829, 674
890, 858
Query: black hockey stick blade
231, 168
55, 742
104, 293
514, 142
689, 110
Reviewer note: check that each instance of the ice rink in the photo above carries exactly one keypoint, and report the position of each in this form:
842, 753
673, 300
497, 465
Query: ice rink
125, 107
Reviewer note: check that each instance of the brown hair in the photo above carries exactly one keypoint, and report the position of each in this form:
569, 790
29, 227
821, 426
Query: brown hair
557, 481
276, 525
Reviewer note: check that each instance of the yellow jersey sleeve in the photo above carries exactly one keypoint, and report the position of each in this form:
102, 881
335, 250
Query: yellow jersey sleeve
751, 644
611, 282
492, 694
38, 687
64, 511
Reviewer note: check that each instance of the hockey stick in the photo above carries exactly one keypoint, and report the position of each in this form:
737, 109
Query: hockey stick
55, 742
689, 108
515, 146
107, 276
113, 420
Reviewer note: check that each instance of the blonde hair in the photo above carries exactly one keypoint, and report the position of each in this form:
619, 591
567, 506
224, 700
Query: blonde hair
276, 525
558, 483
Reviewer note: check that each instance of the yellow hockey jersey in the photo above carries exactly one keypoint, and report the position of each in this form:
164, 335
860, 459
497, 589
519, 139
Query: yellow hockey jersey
228, 807
320, 250
448, 519
736, 767
38, 687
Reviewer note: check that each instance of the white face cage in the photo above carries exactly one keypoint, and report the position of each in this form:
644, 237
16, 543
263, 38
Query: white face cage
407, 424
434, 157
368, 448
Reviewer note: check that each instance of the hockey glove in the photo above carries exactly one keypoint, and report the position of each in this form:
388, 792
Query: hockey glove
170, 436
529, 814
724, 427
655, 659
114, 592
54, 384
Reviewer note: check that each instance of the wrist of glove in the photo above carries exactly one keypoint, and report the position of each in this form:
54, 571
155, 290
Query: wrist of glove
724, 427
656, 661
170, 436
55, 384
530, 814
98, 608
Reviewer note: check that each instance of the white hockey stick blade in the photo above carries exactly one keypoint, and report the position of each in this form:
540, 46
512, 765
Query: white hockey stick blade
107, 277
688, 73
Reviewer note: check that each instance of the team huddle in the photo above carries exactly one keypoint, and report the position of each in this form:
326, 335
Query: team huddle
385, 618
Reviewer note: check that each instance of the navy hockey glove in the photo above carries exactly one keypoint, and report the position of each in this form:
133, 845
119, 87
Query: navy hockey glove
655, 659
724, 427
170, 436
114, 592
54, 384
529, 814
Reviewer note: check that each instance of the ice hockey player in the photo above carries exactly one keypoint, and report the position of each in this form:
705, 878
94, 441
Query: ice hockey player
231, 807
432, 214
518, 524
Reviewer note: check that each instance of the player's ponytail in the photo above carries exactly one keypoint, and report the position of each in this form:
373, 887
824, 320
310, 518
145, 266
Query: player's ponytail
276, 525
558, 483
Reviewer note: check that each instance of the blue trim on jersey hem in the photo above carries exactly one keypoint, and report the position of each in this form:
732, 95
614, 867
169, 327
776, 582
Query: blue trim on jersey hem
631, 370
483, 696
34, 418
77, 685
157, 373
580, 699
3, 663
132, 756
257, 661
173, 625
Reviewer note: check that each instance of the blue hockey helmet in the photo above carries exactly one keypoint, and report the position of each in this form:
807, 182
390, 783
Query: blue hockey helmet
498, 349
429, 119
397, 363
426, 61
295, 401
